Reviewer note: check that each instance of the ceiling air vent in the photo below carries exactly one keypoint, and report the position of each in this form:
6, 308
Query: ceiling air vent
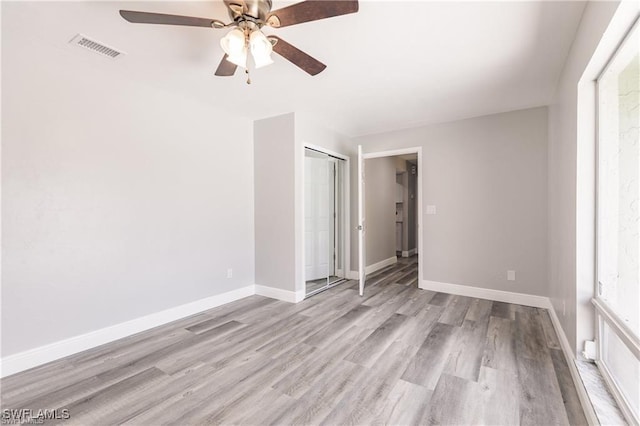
95, 46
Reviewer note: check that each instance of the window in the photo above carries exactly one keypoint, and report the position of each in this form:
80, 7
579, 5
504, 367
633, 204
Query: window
618, 235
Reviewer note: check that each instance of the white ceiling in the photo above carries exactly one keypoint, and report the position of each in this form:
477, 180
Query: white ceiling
392, 65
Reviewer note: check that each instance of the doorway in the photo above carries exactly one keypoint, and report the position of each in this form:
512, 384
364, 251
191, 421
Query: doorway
324, 230
400, 230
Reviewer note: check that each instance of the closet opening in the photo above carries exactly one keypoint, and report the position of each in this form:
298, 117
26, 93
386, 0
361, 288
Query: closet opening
324, 220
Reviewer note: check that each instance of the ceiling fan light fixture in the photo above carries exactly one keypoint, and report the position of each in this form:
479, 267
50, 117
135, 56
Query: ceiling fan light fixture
235, 46
239, 59
261, 49
234, 42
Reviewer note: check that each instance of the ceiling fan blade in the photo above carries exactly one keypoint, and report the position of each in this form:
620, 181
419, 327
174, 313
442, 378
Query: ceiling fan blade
161, 18
310, 10
297, 57
226, 68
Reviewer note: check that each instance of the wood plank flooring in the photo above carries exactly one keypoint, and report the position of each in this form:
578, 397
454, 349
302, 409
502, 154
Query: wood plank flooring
399, 355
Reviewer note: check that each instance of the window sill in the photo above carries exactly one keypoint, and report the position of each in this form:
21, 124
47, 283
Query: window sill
602, 400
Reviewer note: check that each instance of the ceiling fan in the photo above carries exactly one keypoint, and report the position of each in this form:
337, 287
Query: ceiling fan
248, 17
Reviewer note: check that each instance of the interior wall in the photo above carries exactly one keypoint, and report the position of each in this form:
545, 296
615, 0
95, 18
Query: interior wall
119, 200
487, 178
571, 160
279, 196
309, 131
380, 213
275, 204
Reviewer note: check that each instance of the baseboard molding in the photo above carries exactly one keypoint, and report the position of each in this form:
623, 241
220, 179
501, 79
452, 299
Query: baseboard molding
382, 264
487, 293
370, 269
277, 293
587, 408
409, 253
41, 355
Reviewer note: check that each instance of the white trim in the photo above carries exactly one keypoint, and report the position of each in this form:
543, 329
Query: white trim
404, 151
620, 49
409, 253
326, 151
390, 153
278, 293
487, 293
618, 396
603, 317
585, 401
370, 269
362, 247
346, 216
622, 29
41, 355
617, 325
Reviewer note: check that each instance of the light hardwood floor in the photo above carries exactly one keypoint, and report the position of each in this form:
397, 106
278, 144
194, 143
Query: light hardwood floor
399, 355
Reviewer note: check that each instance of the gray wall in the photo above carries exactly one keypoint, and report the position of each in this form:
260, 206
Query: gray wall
279, 195
274, 171
119, 199
380, 208
310, 131
487, 177
571, 185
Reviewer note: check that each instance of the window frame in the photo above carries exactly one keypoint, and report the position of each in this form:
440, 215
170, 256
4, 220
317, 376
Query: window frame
603, 311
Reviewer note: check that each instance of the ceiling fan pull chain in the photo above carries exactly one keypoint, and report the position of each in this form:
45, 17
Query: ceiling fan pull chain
246, 71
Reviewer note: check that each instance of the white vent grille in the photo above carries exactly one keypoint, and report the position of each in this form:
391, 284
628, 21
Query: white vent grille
95, 46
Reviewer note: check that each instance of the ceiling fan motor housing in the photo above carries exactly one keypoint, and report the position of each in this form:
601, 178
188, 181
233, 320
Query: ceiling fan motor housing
257, 9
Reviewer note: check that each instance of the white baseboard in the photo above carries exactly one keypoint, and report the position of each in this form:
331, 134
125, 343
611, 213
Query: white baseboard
382, 264
487, 293
587, 408
41, 355
277, 293
370, 269
409, 253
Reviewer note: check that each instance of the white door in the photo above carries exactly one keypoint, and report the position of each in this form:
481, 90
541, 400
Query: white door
361, 222
317, 210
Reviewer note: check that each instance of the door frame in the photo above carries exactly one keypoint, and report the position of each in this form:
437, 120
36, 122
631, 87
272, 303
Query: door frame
346, 212
393, 153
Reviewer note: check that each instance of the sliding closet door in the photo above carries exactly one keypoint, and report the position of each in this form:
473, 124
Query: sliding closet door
323, 220
338, 251
317, 221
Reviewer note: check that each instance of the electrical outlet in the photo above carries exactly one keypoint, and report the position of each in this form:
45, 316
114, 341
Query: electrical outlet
229, 273
511, 275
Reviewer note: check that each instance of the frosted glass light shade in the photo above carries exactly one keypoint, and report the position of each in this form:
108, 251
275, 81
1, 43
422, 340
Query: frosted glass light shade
234, 45
261, 49
239, 59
